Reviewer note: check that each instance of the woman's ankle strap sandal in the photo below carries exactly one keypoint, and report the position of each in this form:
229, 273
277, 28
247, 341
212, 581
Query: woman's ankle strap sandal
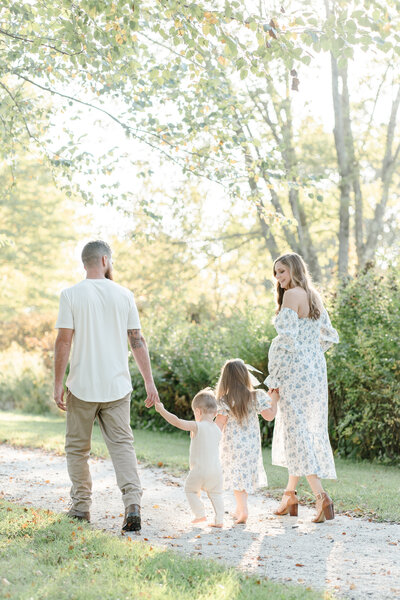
289, 504
324, 508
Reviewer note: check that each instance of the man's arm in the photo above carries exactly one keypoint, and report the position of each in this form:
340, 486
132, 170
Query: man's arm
142, 358
61, 356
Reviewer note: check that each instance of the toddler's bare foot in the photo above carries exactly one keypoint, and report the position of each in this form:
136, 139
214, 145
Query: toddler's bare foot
219, 525
202, 519
241, 519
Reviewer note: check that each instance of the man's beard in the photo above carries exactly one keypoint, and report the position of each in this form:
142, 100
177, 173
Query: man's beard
108, 274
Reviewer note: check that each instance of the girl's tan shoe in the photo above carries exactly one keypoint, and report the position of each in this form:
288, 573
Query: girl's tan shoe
289, 504
324, 508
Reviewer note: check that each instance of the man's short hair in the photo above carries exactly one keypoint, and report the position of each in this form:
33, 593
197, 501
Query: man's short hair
205, 399
93, 251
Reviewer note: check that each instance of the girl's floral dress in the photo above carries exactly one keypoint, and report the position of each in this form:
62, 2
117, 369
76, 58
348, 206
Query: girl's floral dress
240, 448
296, 365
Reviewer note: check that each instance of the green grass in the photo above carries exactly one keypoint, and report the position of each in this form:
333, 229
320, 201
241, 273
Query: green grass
47, 556
362, 488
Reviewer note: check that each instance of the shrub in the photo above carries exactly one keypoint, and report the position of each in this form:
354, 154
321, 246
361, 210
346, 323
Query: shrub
25, 381
364, 369
33, 331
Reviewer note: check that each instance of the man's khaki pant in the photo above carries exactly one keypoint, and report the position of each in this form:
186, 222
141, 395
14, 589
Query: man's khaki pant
114, 421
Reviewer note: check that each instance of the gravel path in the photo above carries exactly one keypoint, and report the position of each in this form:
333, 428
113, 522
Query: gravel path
353, 558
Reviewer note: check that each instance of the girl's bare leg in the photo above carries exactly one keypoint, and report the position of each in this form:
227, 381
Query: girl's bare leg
241, 511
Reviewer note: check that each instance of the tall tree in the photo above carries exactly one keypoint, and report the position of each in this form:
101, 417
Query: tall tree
384, 20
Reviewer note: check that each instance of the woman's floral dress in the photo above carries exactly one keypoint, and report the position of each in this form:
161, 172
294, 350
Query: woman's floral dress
296, 365
240, 448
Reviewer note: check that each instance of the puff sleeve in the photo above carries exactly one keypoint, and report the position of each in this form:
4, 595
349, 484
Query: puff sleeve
283, 347
222, 408
263, 401
328, 335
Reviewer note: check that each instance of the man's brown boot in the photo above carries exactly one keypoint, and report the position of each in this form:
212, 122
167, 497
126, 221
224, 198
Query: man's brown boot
78, 514
132, 520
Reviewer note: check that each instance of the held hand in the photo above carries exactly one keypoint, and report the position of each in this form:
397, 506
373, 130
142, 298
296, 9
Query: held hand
158, 406
274, 394
59, 398
152, 395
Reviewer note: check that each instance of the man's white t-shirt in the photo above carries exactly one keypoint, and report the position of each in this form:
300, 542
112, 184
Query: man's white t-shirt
100, 312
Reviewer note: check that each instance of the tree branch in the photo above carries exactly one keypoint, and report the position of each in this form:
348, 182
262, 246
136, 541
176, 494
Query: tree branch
130, 130
20, 112
28, 41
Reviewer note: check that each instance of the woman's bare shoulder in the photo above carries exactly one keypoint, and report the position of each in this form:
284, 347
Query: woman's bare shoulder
294, 295
296, 292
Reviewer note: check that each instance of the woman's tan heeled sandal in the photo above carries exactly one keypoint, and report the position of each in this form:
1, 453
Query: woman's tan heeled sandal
324, 507
289, 504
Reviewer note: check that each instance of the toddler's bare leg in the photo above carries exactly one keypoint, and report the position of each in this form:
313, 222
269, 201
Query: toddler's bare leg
242, 511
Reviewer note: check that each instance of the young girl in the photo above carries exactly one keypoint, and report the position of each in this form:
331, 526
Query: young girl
241, 456
205, 467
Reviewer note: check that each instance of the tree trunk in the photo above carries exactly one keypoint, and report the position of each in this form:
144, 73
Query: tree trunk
291, 163
388, 166
282, 132
354, 170
268, 237
339, 133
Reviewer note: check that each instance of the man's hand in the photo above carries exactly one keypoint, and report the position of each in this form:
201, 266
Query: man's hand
59, 398
152, 395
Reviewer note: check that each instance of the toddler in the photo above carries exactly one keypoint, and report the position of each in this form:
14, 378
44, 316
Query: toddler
205, 467
239, 406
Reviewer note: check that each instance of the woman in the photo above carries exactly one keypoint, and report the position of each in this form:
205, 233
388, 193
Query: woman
297, 369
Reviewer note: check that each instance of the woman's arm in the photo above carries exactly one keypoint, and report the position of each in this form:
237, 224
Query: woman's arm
220, 420
174, 420
328, 335
283, 346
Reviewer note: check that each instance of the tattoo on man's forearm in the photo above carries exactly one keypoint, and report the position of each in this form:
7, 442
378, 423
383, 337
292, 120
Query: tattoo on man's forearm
135, 338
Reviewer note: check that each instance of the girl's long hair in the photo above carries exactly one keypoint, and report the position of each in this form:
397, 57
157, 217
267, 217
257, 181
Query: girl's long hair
235, 387
299, 276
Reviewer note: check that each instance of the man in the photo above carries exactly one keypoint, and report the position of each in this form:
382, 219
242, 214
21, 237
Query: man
99, 314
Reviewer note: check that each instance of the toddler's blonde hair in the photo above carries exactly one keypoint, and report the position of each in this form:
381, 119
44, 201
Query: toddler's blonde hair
205, 400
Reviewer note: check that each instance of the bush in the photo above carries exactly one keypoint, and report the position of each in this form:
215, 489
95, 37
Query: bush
25, 381
364, 369
33, 331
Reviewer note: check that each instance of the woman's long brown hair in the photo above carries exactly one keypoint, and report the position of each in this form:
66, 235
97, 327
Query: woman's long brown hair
299, 276
235, 387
